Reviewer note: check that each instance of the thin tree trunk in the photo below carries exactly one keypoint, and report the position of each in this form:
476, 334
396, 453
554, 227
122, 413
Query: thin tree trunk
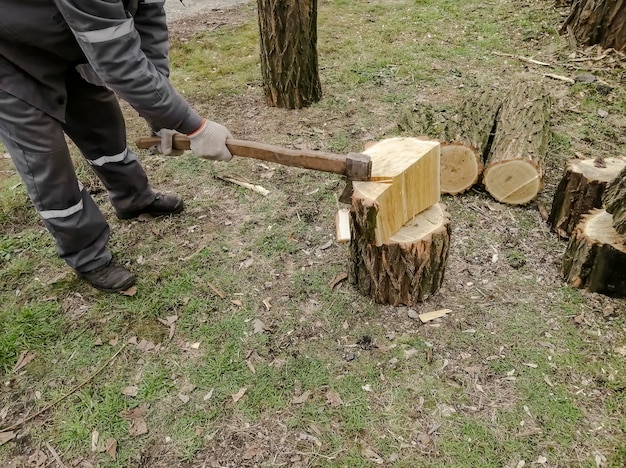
289, 65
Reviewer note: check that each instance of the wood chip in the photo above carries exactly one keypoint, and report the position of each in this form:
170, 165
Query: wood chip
428, 316
559, 77
267, 303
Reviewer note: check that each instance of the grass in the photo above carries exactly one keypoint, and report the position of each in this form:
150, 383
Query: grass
525, 367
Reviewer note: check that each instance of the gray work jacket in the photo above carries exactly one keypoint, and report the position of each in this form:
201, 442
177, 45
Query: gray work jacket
122, 43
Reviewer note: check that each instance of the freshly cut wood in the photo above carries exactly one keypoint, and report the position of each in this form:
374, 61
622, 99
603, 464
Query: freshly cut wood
404, 182
342, 225
615, 201
409, 267
461, 167
595, 258
514, 170
580, 190
465, 136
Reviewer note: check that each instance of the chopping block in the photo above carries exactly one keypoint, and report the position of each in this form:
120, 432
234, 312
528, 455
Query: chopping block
399, 233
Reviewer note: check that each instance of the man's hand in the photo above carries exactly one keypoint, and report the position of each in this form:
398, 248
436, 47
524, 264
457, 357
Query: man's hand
165, 147
209, 141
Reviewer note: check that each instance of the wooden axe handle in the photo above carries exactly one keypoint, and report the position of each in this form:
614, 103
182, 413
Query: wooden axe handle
355, 166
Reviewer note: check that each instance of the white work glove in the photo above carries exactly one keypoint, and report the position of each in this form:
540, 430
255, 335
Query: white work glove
209, 141
165, 147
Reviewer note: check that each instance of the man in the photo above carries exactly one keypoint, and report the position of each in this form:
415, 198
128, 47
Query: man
62, 62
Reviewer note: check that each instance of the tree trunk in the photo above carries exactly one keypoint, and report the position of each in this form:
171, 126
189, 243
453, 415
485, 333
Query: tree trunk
615, 202
465, 137
580, 191
596, 255
409, 267
289, 66
514, 169
598, 22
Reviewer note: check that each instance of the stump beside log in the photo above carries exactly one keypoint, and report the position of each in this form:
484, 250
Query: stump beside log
615, 201
580, 190
409, 266
595, 258
514, 170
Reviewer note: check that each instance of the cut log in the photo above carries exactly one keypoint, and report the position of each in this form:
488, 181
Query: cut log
409, 267
615, 201
580, 191
514, 169
465, 137
595, 258
404, 182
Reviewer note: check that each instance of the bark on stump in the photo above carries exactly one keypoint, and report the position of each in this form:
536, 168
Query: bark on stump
514, 169
598, 22
580, 191
465, 137
410, 266
595, 258
615, 202
289, 64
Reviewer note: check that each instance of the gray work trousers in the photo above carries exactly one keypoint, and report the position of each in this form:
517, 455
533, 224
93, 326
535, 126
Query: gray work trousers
37, 146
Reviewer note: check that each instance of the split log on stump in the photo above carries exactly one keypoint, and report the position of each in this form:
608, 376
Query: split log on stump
465, 137
580, 191
595, 258
408, 267
404, 182
615, 202
514, 170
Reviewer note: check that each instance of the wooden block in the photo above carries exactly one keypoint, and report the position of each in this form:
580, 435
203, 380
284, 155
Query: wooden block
405, 181
342, 223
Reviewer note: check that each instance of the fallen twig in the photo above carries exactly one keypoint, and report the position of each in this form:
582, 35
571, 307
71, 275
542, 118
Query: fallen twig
68, 394
559, 77
55, 455
524, 59
255, 188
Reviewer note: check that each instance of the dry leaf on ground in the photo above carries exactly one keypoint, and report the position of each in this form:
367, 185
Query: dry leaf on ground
339, 277
38, 459
237, 396
130, 391
111, 448
6, 436
333, 398
130, 292
138, 425
298, 400
372, 456
25, 358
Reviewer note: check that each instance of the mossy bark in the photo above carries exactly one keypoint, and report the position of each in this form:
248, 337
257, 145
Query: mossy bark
598, 22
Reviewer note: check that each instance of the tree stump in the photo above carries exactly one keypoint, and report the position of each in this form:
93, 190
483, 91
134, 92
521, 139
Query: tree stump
514, 169
465, 137
615, 201
408, 267
595, 258
580, 190
598, 22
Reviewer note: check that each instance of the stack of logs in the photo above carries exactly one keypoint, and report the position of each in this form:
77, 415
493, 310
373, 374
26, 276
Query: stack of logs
501, 139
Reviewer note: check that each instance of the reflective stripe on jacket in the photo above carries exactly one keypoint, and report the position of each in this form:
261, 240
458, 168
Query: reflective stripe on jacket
41, 39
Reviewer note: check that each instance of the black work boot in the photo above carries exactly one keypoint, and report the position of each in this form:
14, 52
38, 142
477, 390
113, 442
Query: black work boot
162, 205
109, 278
